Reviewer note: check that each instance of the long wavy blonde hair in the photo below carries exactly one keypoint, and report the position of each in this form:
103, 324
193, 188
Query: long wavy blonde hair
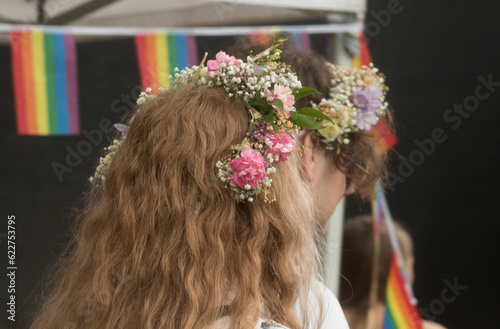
164, 244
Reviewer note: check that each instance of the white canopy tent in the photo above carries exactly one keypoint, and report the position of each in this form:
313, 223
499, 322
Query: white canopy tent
175, 12
198, 13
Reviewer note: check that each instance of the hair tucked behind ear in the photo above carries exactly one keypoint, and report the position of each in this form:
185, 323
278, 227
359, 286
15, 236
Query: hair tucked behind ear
164, 243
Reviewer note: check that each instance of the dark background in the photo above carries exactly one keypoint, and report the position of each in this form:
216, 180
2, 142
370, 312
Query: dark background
432, 54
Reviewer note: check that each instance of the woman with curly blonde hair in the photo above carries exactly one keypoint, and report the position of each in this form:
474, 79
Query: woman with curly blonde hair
166, 242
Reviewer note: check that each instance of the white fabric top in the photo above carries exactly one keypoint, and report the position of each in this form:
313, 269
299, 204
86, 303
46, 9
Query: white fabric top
224, 322
333, 316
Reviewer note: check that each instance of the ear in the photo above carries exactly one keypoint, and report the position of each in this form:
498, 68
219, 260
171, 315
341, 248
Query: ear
351, 189
310, 156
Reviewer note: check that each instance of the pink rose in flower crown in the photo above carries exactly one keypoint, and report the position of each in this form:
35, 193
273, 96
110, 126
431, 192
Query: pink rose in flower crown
248, 169
284, 94
280, 145
221, 57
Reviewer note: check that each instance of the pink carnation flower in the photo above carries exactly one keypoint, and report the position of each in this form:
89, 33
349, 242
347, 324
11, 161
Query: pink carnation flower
221, 57
248, 169
284, 94
280, 146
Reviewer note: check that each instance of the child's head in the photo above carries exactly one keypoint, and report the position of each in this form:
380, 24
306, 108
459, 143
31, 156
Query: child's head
357, 261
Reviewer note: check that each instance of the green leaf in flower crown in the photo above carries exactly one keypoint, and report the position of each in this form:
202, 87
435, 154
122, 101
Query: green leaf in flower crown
247, 105
278, 42
250, 127
314, 113
304, 91
277, 102
260, 105
269, 117
304, 121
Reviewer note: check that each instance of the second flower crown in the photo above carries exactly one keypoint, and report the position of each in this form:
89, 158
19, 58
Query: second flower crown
356, 102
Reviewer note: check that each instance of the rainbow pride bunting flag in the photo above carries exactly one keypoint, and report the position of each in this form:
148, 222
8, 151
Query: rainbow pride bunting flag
159, 54
400, 313
261, 38
45, 83
265, 38
363, 55
364, 51
303, 39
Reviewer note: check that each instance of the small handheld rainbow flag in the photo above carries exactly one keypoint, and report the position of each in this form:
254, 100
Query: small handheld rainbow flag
400, 313
159, 54
45, 83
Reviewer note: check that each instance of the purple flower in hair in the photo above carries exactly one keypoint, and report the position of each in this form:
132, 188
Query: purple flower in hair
257, 68
366, 119
123, 128
368, 100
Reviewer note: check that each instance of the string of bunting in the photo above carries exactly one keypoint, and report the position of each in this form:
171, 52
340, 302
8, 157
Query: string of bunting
44, 64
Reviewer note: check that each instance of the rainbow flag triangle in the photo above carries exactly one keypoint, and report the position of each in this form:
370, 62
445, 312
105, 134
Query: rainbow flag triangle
400, 313
44, 71
159, 54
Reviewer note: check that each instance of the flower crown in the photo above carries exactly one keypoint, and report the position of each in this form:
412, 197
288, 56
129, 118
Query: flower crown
357, 101
268, 90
